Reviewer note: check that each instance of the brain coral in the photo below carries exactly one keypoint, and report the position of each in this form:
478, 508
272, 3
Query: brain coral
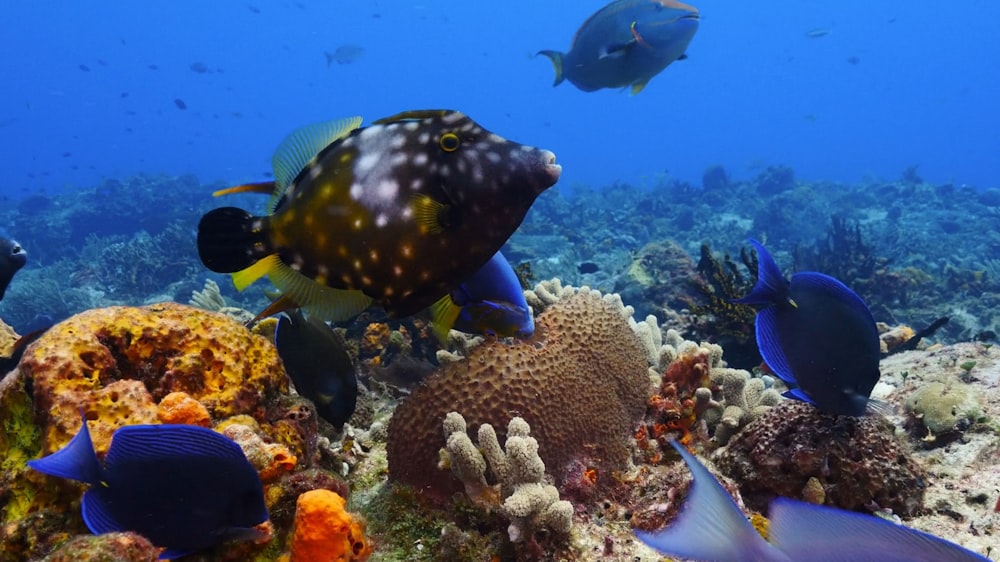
118, 363
857, 460
580, 382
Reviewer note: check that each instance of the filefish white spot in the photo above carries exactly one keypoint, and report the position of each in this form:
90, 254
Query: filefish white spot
388, 190
412, 126
420, 159
397, 141
364, 165
381, 220
315, 171
356, 191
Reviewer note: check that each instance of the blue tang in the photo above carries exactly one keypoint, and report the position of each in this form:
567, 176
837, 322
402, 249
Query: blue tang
712, 527
491, 302
183, 487
317, 361
397, 213
817, 335
625, 44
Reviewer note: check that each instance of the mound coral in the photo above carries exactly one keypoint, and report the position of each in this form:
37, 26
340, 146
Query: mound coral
580, 382
118, 363
857, 460
324, 530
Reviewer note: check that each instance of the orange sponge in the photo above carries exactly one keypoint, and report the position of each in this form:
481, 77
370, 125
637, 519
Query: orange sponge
326, 532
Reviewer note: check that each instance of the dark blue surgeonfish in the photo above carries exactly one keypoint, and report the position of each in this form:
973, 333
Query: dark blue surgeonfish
712, 527
396, 213
491, 302
183, 487
816, 335
317, 361
12, 258
626, 43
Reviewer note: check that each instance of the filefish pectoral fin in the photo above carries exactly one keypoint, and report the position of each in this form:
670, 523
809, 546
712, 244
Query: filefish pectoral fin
431, 215
557, 64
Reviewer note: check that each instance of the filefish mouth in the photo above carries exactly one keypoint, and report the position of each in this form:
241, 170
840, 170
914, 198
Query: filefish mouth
551, 168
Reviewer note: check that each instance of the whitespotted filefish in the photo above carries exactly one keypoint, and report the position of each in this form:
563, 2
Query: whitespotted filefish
817, 335
12, 259
625, 44
712, 527
397, 213
183, 487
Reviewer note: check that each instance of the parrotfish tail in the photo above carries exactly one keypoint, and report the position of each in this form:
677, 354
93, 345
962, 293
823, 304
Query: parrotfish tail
557, 63
771, 287
76, 461
711, 526
229, 241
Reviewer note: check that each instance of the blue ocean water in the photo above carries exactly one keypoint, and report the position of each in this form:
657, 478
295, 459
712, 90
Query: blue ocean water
841, 91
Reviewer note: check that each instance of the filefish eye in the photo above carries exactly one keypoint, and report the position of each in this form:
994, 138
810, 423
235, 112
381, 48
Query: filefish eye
449, 142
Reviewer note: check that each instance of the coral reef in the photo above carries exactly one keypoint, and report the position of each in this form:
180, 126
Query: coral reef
117, 363
745, 398
526, 499
858, 461
116, 547
324, 530
580, 382
719, 319
943, 411
209, 297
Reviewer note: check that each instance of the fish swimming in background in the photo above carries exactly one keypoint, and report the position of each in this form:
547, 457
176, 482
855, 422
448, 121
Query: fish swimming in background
397, 213
626, 43
12, 258
817, 335
491, 302
183, 487
344, 54
712, 527
317, 361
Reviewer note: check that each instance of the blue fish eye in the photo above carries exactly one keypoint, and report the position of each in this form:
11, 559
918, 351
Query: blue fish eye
449, 142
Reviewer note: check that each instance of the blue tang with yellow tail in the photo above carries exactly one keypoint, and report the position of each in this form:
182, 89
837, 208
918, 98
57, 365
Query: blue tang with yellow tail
491, 302
712, 527
625, 44
397, 213
183, 487
316, 359
817, 335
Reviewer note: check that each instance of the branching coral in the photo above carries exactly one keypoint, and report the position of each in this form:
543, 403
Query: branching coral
527, 499
209, 298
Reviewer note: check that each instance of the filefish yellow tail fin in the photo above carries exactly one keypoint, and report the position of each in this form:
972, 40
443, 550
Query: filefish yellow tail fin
443, 315
231, 239
557, 64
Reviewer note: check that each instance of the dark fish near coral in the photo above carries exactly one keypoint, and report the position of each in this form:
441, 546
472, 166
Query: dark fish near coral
626, 43
7, 364
183, 487
12, 258
345, 54
397, 213
712, 527
490, 302
317, 361
817, 335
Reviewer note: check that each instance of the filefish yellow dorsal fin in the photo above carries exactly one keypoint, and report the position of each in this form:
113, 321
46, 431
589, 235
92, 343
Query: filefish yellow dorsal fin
245, 277
302, 145
320, 301
265, 187
444, 312
427, 213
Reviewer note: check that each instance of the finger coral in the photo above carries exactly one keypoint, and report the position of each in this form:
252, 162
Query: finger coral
580, 382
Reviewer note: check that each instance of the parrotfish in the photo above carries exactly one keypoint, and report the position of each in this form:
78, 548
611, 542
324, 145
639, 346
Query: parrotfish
626, 43
183, 487
12, 258
491, 302
712, 527
817, 335
397, 213
317, 361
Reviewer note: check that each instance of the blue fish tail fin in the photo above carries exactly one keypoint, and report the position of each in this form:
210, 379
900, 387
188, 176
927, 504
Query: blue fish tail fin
711, 526
76, 461
771, 287
557, 64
